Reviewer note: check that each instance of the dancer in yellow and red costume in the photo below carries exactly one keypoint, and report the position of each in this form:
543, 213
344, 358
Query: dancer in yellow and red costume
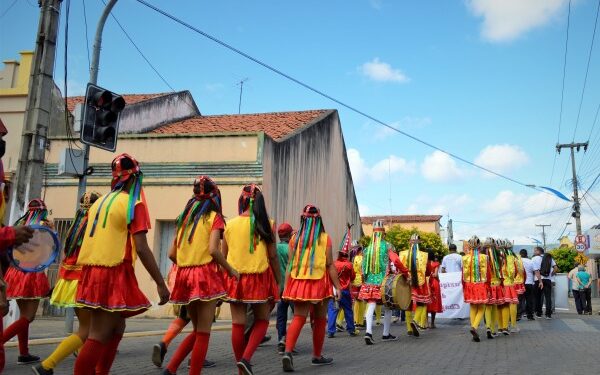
510, 271
493, 311
418, 267
476, 276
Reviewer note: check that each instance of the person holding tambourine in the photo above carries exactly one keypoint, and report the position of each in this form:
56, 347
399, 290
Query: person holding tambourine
115, 235
65, 289
27, 288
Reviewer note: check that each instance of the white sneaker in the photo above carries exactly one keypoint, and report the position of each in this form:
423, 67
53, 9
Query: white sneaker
515, 330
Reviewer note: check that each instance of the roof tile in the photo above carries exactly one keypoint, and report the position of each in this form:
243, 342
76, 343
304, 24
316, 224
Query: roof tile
72, 101
401, 219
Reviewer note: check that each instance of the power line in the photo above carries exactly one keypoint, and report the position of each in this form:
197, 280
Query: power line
327, 96
499, 221
8, 9
590, 206
87, 39
586, 69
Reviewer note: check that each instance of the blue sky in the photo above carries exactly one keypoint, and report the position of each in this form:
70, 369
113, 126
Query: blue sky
480, 78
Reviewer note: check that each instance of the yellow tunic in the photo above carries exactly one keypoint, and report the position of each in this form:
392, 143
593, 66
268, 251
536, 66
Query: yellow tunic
468, 263
509, 270
319, 261
357, 265
108, 245
196, 252
519, 278
421, 264
237, 235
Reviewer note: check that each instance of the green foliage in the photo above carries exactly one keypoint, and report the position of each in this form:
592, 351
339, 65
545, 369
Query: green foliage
399, 237
564, 258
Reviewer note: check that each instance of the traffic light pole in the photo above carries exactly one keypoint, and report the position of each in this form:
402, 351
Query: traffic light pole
93, 79
69, 318
576, 204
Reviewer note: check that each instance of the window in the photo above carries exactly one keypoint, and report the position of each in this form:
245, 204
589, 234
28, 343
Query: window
167, 235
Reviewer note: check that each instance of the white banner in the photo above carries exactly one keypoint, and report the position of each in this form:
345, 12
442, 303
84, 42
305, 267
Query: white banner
452, 296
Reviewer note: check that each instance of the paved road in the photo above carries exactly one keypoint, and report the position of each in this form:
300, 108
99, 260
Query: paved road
566, 345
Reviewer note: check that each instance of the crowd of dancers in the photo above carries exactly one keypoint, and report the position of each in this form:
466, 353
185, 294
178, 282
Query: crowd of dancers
242, 263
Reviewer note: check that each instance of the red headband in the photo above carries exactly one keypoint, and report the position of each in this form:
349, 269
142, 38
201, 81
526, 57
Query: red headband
118, 173
306, 212
200, 182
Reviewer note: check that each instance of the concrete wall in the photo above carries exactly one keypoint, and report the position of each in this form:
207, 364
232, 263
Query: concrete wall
311, 167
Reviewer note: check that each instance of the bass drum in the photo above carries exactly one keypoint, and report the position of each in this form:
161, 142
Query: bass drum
397, 293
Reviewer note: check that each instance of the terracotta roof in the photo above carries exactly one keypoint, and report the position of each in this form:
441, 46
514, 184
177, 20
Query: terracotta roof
72, 101
401, 219
276, 125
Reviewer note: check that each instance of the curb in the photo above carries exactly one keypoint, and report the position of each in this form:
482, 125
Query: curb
56, 340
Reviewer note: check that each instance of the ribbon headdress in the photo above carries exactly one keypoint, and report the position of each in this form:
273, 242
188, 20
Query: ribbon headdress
305, 242
206, 193
372, 256
74, 236
474, 266
493, 254
413, 254
346, 241
37, 212
121, 175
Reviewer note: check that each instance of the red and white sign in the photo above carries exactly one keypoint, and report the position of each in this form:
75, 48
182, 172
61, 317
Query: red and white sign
581, 243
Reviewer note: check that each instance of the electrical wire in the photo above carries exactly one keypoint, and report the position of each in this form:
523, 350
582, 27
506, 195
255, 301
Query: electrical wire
591, 208
8, 9
331, 98
520, 217
562, 94
587, 69
87, 39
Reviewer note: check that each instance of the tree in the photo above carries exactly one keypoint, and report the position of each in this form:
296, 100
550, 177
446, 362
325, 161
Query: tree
399, 237
564, 258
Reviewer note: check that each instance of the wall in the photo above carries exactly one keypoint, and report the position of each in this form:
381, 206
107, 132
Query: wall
311, 167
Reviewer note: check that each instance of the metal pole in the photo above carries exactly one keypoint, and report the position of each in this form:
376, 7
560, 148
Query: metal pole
543, 232
86, 149
576, 195
30, 169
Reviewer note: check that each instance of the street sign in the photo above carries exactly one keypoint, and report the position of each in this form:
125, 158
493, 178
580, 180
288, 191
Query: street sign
580, 247
581, 243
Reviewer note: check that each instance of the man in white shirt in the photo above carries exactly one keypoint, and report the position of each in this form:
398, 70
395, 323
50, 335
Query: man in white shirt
544, 268
453, 261
526, 300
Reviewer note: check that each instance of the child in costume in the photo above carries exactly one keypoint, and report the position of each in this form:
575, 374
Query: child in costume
496, 290
346, 275
249, 246
27, 288
359, 307
310, 275
284, 232
65, 289
199, 283
115, 235
377, 260
435, 306
416, 262
476, 273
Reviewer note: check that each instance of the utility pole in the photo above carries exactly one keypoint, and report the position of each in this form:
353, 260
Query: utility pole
576, 206
241, 83
450, 239
543, 232
30, 169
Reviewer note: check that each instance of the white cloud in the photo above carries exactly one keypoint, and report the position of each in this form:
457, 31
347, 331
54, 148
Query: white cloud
212, 87
376, 4
502, 203
505, 20
361, 171
440, 167
380, 71
406, 123
502, 158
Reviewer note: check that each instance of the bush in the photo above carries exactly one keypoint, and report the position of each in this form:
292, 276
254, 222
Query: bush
564, 258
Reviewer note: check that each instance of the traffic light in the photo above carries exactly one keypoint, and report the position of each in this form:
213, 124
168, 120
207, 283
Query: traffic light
101, 112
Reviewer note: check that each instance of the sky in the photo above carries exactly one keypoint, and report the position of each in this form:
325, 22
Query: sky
481, 79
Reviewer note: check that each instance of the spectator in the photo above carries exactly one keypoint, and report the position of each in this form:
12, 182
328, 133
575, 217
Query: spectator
582, 291
453, 261
526, 299
544, 268
284, 232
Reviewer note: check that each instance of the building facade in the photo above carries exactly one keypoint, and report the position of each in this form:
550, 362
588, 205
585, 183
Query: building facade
424, 223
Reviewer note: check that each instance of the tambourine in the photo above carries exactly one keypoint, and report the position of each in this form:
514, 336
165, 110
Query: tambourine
37, 254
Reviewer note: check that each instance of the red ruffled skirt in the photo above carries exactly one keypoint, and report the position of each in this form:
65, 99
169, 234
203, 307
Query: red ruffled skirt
520, 288
252, 288
510, 294
496, 295
370, 292
198, 283
355, 291
26, 285
476, 293
308, 290
435, 305
113, 289
420, 294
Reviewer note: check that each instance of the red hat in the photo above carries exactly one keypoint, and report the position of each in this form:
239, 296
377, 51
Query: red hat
284, 230
120, 174
201, 181
3, 130
36, 204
